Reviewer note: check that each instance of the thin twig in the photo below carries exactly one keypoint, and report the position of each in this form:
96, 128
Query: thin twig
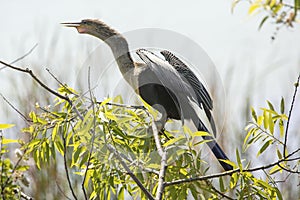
290, 114
93, 134
14, 108
130, 173
217, 175
66, 169
28, 71
61, 191
220, 193
22, 194
123, 105
60, 83
22, 57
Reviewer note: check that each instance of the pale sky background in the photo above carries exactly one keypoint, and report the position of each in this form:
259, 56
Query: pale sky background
232, 40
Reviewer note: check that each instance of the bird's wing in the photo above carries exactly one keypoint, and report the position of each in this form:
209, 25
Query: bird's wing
203, 97
169, 78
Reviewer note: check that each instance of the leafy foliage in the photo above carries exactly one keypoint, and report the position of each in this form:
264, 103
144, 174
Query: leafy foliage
98, 141
281, 13
12, 175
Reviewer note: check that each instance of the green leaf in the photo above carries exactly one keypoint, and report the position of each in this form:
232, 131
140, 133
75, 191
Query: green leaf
253, 7
8, 141
270, 106
271, 124
238, 159
234, 180
278, 193
6, 126
262, 22
281, 128
278, 154
282, 105
174, 140
221, 183
260, 120
297, 5
200, 134
254, 116
264, 147
266, 119
275, 169
54, 131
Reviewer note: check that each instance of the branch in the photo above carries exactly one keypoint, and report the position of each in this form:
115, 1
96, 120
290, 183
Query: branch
15, 109
22, 57
23, 195
290, 114
93, 135
136, 180
60, 83
163, 155
66, 169
217, 175
28, 71
123, 105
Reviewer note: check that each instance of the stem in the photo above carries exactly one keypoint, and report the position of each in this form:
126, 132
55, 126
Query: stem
289, 117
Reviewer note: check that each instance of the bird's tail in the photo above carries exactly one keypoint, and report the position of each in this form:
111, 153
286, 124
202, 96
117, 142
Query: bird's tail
215, 148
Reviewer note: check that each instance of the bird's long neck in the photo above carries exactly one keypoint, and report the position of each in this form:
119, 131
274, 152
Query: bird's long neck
120, 50
118, 45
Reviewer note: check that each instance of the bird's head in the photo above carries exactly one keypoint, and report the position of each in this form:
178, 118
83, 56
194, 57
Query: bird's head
93, 27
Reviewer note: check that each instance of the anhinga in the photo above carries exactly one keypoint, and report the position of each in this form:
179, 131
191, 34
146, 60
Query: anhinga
167, 85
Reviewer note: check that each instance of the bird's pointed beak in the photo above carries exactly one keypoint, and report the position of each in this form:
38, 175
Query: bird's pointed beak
78, 25
71, 24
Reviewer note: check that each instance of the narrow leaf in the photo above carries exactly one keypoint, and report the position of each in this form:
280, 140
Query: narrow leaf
282, 105
262, 22
264, 147
254, 116
6, 126
271, 124
271, 105
8, 141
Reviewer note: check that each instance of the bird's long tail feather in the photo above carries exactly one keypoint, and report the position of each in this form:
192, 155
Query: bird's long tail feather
215, 148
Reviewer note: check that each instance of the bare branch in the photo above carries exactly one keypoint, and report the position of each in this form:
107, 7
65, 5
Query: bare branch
124, 105
22, 57
217, 175
66, 169
290, 114
22, 194
93, 135
61, 191
163, 155
60, 83
14, 108
28, 71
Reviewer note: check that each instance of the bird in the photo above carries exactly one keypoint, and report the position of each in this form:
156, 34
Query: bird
168, 85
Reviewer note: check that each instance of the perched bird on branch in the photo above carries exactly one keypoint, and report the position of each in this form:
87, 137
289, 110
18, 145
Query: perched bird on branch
167, 85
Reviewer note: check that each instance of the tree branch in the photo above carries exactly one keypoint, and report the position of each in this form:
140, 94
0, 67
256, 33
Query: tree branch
22, 57
28, 71
290, 114
93, 135
136, 180
217, 175
66, 169
163, 155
